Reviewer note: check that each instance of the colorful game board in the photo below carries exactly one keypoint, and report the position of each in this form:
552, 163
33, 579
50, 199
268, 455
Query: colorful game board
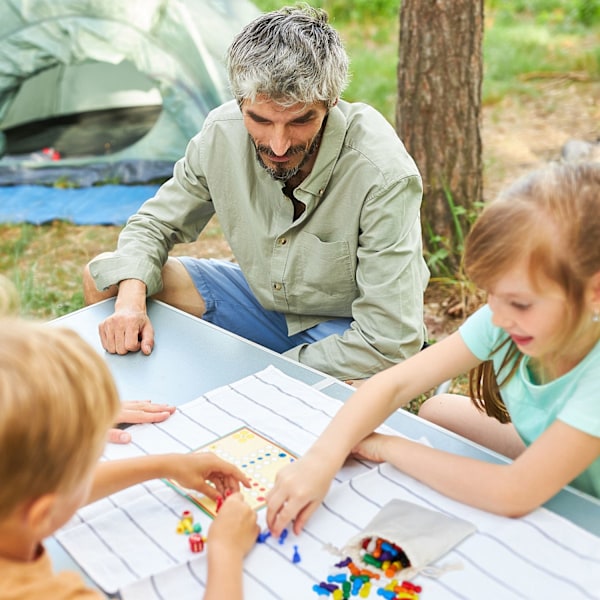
252, 453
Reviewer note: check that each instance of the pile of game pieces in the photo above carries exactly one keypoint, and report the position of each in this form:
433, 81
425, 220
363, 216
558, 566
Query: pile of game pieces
187, 526
383, 556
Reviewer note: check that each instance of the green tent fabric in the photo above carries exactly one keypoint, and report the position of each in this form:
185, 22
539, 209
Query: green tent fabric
116, 87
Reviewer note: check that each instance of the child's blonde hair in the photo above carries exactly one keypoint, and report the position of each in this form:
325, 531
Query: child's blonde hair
551, 218
57, 401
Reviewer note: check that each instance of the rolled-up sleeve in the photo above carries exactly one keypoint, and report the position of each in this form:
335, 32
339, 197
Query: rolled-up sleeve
177, 213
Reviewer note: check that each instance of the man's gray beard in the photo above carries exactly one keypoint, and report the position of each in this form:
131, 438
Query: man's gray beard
289, 173
280, 175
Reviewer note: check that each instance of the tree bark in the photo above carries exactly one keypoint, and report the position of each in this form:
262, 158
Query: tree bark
440, 71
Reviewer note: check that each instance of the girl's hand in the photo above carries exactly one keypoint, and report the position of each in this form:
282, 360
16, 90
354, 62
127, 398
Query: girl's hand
373, 447
299, 489
138, 411
195, 470
234, 529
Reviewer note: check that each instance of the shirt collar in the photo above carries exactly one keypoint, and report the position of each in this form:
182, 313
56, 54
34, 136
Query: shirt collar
331, 145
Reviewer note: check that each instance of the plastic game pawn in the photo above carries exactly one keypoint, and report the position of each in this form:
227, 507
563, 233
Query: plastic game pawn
219, 502
296, 558
186, 524
196, 542
263, 536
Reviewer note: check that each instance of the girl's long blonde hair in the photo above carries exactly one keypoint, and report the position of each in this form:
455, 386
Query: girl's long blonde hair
551, 218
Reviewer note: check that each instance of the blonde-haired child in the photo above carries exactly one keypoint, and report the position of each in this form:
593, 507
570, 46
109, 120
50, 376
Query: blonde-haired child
57, 402
533, 353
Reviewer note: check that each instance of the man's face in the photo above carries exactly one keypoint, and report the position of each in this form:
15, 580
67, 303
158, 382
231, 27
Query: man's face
285, 138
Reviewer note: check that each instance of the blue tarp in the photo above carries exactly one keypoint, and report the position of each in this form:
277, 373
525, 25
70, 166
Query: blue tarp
101, 205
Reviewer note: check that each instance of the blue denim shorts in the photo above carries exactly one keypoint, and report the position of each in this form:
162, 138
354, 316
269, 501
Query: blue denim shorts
231, 304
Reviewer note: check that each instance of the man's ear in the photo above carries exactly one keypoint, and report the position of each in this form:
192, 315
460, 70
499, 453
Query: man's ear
39, 515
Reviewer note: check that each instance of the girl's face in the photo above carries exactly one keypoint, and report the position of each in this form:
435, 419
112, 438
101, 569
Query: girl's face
533, 318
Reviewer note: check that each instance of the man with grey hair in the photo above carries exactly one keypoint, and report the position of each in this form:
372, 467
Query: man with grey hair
317, 198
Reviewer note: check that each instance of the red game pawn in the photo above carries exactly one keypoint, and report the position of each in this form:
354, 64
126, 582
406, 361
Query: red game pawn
219, 503
196, 542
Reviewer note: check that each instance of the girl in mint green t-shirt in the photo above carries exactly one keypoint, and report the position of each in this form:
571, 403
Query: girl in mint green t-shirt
533, 357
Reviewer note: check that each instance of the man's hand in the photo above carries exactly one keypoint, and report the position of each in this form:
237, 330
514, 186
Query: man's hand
128, 329
138, 411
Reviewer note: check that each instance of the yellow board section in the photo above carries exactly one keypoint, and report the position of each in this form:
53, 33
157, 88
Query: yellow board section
258, 457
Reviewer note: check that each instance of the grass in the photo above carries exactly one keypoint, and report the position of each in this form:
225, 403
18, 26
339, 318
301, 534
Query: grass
518, 50
525, 41
45, 263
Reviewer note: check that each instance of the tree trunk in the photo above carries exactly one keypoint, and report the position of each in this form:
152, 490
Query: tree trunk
440, 71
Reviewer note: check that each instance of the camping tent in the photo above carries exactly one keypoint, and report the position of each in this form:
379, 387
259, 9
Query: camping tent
115, 88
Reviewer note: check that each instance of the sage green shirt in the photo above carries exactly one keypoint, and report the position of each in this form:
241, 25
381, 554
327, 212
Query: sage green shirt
355, 252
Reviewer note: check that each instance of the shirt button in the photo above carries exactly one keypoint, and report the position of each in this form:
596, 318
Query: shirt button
282, 241
277, 286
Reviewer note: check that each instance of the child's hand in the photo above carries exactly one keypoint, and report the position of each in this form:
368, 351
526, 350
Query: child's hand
138, 411
194, 470
234, 529
299, 489
373, 447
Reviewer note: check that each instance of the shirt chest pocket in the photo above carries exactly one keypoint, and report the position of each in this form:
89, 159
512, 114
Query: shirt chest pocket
322, 275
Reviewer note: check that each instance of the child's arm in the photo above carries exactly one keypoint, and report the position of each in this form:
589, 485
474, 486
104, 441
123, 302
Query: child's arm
542, 470
230, 537
190, 470
301, 486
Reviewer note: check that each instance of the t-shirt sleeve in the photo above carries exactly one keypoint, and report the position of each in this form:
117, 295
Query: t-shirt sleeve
479, 334
582, 409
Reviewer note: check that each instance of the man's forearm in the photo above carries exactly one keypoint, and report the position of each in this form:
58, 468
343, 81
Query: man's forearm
132, 295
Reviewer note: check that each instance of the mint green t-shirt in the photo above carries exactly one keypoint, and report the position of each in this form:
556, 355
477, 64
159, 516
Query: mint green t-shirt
573, 398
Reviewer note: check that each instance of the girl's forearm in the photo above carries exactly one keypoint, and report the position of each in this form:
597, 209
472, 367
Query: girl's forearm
496, 488
389, 390
361, 414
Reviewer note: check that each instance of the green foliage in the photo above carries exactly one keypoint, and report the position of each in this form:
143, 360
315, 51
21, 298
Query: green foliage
527, 39
37, 297
64, 183
443, 254
39, 300
567, 12
343, 11
522, 38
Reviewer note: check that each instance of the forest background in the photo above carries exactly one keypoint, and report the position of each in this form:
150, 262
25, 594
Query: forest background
541, 88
